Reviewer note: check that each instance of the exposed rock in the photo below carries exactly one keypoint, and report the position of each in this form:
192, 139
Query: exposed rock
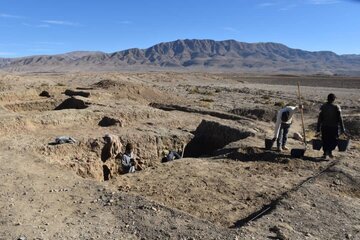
298, 136
108, 121
111, 148
197, 54
279, 233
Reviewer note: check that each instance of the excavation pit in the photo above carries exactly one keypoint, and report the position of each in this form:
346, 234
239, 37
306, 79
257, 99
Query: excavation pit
37, 106
210, 136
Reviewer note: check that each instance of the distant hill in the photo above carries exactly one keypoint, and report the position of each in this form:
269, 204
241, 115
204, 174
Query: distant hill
198, 55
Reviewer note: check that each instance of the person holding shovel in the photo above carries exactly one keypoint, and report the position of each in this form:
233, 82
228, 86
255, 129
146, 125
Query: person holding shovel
329, 120
282, 126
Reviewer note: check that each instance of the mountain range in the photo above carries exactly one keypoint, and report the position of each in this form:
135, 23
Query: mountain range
194, 55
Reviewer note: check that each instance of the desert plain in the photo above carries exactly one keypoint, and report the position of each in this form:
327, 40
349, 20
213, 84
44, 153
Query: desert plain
227, 186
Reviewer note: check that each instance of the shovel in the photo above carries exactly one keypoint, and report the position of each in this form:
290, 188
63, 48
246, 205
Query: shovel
296, 152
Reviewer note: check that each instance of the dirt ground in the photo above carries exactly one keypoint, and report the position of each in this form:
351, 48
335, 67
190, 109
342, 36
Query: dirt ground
226, 187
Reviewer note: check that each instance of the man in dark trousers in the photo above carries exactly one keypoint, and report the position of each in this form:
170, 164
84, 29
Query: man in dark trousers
284, 120
328, 122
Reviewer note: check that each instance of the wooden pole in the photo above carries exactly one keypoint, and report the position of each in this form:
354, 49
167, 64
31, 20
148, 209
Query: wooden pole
302, 114
183, 150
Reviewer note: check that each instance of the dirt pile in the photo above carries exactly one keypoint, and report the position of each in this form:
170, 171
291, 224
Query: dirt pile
72, 103
44, 94
107, 84
137, 92
71, 93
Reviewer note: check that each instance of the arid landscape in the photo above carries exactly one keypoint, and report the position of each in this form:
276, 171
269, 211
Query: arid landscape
227, 186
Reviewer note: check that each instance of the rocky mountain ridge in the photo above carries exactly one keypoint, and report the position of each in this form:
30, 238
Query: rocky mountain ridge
202, 55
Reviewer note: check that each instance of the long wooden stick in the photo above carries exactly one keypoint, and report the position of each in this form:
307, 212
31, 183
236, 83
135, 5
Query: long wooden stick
302, 114
183, 150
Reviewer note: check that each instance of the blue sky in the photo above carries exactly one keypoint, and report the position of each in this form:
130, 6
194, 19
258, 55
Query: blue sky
32, 27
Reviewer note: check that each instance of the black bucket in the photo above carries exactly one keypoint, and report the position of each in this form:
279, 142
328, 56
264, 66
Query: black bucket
268, 143
316, 144
297, 153
343, 144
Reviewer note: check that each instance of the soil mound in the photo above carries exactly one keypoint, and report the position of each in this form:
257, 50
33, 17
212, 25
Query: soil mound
71, 93
44, 94
72, 103
106, 84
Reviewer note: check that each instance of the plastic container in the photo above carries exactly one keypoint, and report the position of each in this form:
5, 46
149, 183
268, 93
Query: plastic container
343, 144
316, 144
297, 153
268, 143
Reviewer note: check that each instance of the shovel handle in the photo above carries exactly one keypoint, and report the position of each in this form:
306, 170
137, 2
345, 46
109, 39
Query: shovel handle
302, 113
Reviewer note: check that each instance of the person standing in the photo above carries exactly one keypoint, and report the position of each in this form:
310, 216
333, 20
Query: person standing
282, 126
329, 121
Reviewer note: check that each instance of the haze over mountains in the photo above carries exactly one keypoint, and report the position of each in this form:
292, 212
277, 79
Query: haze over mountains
194, 55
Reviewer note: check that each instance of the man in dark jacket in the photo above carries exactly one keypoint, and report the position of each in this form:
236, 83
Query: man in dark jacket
328, 122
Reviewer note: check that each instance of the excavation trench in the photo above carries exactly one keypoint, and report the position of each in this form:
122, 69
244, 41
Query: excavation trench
210, 136
37, 105
231, 191
218, 114
262, 114
47, 105
86, 157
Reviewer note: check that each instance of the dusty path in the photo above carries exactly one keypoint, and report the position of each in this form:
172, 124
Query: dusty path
326, 207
